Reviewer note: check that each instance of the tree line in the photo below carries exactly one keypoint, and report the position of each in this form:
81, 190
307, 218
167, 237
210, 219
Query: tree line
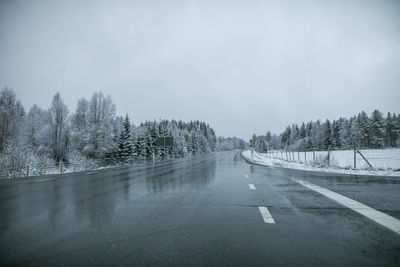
230, 143
362, 131
93, 131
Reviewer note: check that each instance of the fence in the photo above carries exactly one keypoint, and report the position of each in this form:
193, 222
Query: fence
17, 170
378, 159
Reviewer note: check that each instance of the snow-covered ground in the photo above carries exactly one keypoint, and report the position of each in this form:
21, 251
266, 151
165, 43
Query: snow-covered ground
342, 161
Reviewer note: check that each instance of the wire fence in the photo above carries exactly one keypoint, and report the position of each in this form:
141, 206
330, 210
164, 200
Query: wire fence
376, 159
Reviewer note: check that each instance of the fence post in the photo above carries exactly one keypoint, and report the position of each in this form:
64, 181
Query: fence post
313, 153
329, 156
27, 170
355, 156
305, 157
298, 156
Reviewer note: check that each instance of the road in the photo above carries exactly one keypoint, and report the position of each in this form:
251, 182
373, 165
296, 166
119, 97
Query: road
201, 211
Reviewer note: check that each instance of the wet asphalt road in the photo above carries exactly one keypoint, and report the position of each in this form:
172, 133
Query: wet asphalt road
195, 212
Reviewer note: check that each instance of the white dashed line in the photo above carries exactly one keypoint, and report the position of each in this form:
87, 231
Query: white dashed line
246, 176
252, 187
375, 215
266, 215
42, 180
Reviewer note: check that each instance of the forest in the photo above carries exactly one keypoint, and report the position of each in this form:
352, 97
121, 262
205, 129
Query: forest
363, 131
93, 132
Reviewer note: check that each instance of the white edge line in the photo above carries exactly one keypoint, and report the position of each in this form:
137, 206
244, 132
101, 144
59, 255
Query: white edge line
373, 214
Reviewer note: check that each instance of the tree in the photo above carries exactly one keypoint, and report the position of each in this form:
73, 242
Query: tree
377, 129
390, 130
396, 130
328, 140
102, 125
286, 137
336, 131
360, 130
125, 145
80, 126
12, 115
59, 129
363, 129
35, 128
13, 160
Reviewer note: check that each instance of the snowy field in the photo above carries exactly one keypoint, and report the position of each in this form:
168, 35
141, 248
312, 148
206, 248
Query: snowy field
384, 162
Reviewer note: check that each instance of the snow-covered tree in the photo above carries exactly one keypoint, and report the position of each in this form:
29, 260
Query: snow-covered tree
336, 133
36, 129
377, 130
363, 129
125, 147
102, 125
328, 139
59, 129
390, 130
12, 115
80, 128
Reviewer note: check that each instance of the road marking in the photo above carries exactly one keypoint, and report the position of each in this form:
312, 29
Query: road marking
266, 215
42, 180
375, 215
246, 176
252, 187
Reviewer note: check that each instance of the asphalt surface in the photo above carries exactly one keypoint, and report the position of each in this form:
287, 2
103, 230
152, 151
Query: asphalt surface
195, 212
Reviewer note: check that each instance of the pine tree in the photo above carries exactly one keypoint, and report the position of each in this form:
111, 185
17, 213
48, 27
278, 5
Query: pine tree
195, 143
354, 133
140, 149
390, 131
396, 130
363, 129
286, 137
309, 141
189, 143
328, 140
125, 145
336, 129
377, 129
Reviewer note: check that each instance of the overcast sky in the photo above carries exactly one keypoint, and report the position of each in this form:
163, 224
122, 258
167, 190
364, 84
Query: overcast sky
242, 66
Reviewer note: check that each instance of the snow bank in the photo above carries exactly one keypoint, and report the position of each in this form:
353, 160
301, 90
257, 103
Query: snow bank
262, 159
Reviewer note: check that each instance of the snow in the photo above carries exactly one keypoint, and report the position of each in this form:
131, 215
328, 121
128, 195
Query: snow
381, 159
341, 159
